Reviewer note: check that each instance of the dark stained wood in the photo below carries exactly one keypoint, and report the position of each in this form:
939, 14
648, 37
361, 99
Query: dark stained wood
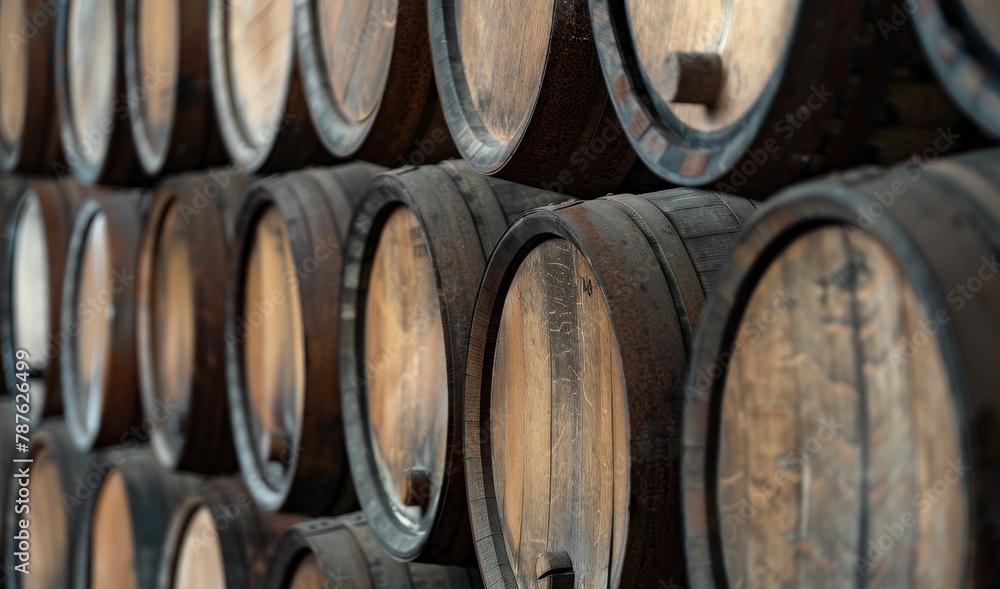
962, 42
180, 319
37, 230
343, 552
219, 539
282, 303
167, 71
414, 258
369, 80
574, 388
838, 429
98, 361
807, 87
522, 93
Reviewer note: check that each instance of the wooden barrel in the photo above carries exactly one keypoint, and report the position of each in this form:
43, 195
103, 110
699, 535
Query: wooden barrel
98, 362
94, 103
522, 92
260, 101
752, 95
962, 42
282, 298
840, 424
37, 228
343, 553
124, 522
369, 81
180, 323
29, 126
218, 539
581, 339
168, 82
417, 250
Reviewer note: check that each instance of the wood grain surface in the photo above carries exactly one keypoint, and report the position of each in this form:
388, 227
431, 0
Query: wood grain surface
200, 563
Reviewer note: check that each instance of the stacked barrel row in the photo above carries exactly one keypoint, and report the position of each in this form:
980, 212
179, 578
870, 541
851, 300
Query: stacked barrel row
578, 97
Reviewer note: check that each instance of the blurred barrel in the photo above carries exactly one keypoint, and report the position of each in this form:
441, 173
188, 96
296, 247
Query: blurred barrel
369, 81
414, 258
752, 95
962, 42
98, 362
37, 229
94, 104
282, 299
522, 92
218, 539
181, 319
29, 125
343, 553
841, 402
260, 101
581, 340
167, 76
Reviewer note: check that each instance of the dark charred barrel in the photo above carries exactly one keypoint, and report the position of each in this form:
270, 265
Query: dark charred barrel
124, 522
98, 362
522, 92
260, 100
37, 231
369, 81
282, 299
343, 552
962, 42
581, 340
29, 125
841, 402
747, 97
218, 539
168, 80
414, 259
94, 107
181, 319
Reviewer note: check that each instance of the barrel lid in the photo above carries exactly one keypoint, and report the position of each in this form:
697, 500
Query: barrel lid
113, 554
30, 289
91, 79
200, 561
13, 78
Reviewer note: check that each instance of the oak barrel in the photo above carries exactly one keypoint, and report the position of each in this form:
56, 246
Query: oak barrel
218, 539
168, 85
522, 92
840, 425
180, 319
369, 80
94, 101
579, 347
343, 553
37, 229
282, 298
29, 125
260, 100
749, 96
416, 252
99, 378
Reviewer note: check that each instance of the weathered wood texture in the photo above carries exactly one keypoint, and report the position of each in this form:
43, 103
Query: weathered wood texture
343, 552
218, 539
839, 429
414, 258
574, 390
259, 95
168, 84
369, 80
807, 87
181, 319
962, 42
29, 125
522, 93
99, 377
37, 230
282, 303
